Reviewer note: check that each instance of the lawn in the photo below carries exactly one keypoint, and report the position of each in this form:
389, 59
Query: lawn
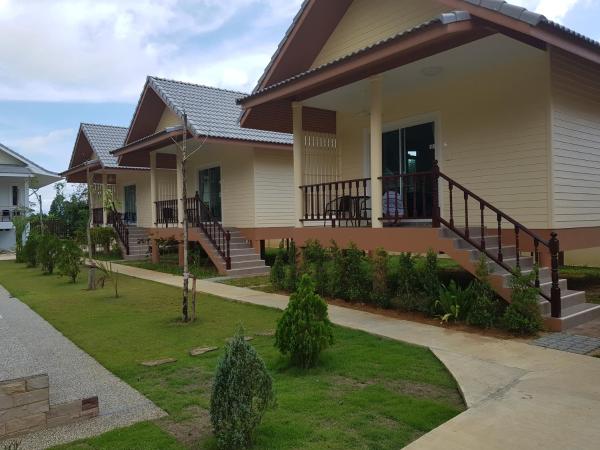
366, 393
170, 264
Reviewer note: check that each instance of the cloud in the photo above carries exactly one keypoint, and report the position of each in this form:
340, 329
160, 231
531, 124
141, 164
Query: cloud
85, 50
46, 144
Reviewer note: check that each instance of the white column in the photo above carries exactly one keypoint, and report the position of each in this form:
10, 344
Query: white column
104, 209
180, 205
376, 152
298, 161
25, 196
153, 187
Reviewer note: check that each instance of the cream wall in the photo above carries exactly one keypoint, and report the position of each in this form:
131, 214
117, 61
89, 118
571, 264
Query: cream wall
168, 119
492, 135
274, 187
141, 180
369, 21
575, 141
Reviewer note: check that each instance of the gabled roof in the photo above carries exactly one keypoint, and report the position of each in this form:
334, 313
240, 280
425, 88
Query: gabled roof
103, 139
45, 176
301, 32
211, 112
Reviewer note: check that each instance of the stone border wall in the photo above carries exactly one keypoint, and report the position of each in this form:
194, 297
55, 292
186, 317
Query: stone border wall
25, 407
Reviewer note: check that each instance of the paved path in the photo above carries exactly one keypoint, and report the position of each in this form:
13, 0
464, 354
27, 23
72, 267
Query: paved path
520, 396
29, 345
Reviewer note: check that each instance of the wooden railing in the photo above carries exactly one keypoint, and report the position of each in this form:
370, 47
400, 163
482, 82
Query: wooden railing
407, 196
457, 193
340, 203
166, 212
121, 228
98, 216
200, 216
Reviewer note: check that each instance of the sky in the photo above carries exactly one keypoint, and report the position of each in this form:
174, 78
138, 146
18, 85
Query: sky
71, 61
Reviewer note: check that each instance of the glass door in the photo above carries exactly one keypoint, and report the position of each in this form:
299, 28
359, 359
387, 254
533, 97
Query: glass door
130, 210
210, 190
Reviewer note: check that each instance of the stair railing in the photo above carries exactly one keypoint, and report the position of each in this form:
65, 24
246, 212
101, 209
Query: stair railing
200, 215
121, 228
521, 233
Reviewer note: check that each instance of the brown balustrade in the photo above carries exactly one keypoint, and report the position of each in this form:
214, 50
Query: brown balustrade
407, 196
121, 228
200, 216
341, 203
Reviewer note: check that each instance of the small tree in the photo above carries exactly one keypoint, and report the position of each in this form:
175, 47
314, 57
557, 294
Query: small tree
291, 271
108, 273
278, 269
429, 280
30, 249
20, 223
485, 308
48, 250
381, 293
313, 264
523, 315
304, 329
69, 260
241, 393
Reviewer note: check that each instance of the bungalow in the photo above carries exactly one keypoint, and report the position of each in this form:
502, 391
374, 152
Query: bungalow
239, 190
17, 175
466, 126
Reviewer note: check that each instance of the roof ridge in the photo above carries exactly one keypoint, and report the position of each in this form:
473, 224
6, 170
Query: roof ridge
197, 85
103, 125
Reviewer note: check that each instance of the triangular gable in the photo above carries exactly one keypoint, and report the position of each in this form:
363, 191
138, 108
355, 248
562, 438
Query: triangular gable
147, 116
8, 159
82, 150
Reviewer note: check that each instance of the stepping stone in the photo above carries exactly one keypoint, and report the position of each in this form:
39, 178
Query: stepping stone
159, 362
202, 350
269, 333
246, 338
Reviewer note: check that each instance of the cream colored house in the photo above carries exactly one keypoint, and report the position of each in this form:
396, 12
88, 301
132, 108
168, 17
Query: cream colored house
477, 117
238, 186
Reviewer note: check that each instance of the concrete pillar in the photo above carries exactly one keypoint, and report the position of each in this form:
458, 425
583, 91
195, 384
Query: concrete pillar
376, 152
180, 205
298, 161
153, 187
104, 209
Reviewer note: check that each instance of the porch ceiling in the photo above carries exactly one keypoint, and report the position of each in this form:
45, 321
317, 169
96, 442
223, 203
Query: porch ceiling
492, 51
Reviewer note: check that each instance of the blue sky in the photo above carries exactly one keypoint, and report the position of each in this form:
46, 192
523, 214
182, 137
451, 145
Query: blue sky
71, 61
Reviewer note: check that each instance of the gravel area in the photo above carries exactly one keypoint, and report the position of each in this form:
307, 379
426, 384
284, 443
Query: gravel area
31, 346
566, 342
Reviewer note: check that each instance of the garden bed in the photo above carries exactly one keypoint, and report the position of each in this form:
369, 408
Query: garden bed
366, 392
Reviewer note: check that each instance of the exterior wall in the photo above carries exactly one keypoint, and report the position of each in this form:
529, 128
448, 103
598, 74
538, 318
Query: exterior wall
369, 21
237, 180
7, 159
274, 188
141, 179
492, 134
575, 141
168, 119
7, 232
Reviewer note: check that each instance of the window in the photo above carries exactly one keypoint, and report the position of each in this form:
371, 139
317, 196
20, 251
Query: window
15, 195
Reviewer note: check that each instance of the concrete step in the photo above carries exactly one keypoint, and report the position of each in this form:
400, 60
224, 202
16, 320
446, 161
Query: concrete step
241, 245
260, 270
569, 299
245, 257
246, 264
575, 315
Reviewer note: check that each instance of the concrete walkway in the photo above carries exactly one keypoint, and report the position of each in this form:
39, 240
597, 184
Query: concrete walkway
29, 346
520, 396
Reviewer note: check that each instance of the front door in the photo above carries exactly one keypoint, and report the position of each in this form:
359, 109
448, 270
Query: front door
130, 210
210, 190
406, 151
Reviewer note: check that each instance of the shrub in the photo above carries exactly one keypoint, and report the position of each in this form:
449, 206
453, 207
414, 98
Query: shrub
102, 236
354, 280
485, 307
241, 393
48, 250
454, 302
30, 249
278, 269
291, 271
314, 257
523, 315
381, 293
429, 281
334, 271
304, 329
20, 223
107, 273
69, 260
409, 296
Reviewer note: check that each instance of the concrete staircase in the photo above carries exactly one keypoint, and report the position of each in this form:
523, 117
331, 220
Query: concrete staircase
244, 259
139, 244
575, 310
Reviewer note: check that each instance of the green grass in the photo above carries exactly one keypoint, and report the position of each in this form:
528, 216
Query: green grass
174, 269
366, 393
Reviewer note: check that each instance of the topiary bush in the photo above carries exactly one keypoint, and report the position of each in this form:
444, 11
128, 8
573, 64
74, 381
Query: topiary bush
304, 329
485, 308
242, 392
291, 270
278, 270
48, 250
30, 249
354, 275
69, 260
523, 316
